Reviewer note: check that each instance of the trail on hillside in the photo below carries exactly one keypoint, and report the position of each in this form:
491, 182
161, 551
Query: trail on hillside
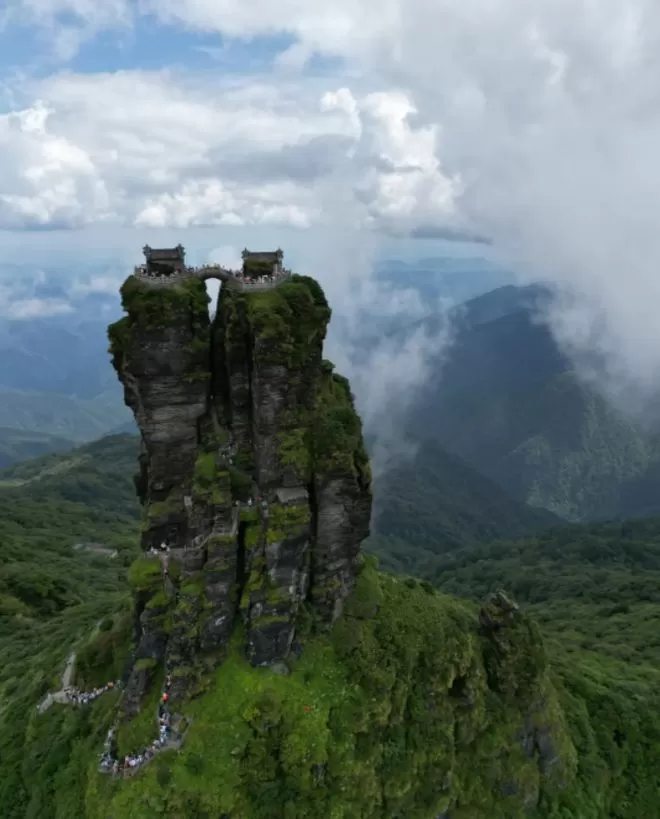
61, 695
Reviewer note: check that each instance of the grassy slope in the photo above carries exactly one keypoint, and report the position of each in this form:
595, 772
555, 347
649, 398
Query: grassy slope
373, 723
363, 727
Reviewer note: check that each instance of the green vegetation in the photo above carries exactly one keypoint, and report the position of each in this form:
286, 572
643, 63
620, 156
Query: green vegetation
144, 574
47, 507
140, 731
350, 731
54, 598
154, 309
103, 655
337, 439
209, 482
510, 404
592, 588
286, 325
286, 521
285, 517
288, 322
20, 445
372, 721
415, 705
594, 592
295, 447
158, 512
249, 514
433, 503
252, 535
156, 306
405, 709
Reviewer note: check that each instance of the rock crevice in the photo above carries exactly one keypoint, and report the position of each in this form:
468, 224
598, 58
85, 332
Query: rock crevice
252, 470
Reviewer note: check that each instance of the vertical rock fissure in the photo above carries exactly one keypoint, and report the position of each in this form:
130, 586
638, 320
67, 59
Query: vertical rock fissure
249, 347
238, 408
313, 528
241, 569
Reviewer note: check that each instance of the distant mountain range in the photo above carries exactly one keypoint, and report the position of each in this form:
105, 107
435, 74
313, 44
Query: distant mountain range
57, 387
503, 399
435, 504
506, 400
16, 445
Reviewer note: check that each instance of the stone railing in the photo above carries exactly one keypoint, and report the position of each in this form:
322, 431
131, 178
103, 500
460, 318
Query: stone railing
208, 271
214, 271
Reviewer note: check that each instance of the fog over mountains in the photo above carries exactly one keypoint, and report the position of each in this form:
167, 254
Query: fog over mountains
465, 358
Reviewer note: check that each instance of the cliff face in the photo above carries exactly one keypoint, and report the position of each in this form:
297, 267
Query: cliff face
253, 471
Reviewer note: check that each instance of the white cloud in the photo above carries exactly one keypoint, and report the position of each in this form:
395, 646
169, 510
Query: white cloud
387, 364
107, 284
534, 124
19, 298
47, 178
157, 150
544, 119
36, 308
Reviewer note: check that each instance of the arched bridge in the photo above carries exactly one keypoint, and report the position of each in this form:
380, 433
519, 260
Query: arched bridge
232, 278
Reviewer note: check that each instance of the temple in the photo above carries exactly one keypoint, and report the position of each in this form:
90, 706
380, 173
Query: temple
263, 263
164, 262
167, 266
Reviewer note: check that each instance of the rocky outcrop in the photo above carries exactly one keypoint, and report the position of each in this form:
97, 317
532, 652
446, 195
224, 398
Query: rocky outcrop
252, 470
514, 655
515, 665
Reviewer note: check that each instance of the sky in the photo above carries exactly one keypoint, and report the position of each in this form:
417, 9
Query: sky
343, 132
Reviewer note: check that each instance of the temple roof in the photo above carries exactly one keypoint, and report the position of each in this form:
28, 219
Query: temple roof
263, 255
168, 254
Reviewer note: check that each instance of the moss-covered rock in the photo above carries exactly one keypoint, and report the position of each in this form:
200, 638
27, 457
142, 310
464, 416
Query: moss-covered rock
390, 715
238, 410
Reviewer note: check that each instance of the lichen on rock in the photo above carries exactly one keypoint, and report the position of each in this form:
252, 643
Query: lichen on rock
241, 410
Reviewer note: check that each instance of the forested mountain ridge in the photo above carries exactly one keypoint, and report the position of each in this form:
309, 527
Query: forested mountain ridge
55, 383
17, 445
507, 401
434, 502
50, 504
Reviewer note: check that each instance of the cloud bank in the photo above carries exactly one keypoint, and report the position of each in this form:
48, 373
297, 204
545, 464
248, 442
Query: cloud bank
531, 125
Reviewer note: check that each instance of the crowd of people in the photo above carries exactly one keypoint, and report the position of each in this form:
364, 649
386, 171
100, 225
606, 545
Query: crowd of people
110, 763
76, 697
258, 280
163, 552
252, 502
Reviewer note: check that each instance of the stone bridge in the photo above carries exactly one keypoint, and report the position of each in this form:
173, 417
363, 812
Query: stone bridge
232, 278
